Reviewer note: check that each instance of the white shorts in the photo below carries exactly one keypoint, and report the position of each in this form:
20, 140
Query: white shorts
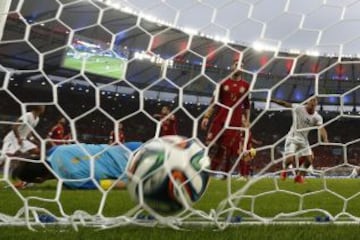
297, 147
11, 146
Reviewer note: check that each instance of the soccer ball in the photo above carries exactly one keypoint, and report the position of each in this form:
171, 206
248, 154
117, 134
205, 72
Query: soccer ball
168, 174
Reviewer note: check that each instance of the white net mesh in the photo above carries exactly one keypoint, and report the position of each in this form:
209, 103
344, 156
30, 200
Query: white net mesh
100, 67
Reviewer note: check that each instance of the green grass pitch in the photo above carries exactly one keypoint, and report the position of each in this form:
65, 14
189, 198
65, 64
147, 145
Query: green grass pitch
316, 193
100, 65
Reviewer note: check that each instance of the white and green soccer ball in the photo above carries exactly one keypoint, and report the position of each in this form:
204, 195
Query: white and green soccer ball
168, 174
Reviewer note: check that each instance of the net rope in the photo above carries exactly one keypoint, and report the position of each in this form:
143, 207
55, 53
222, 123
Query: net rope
222, 213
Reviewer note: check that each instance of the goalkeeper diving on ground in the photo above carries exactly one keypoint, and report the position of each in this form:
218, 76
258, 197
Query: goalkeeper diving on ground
72, 164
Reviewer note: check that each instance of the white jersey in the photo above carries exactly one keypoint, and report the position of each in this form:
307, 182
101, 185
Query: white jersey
28, 121
10, 143
302, 121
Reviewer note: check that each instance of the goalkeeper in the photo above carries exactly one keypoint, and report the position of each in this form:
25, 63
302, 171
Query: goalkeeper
72, 164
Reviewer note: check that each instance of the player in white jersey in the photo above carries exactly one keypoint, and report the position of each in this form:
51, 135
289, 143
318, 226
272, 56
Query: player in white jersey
305, 117
16, 142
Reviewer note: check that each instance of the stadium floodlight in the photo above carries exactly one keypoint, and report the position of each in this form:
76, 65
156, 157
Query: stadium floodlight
313, 53
259, 46
189, 30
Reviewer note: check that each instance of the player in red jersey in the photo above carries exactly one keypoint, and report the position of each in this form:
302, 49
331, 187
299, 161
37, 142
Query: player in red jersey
57, 132
121, 135
232, 94
169, 123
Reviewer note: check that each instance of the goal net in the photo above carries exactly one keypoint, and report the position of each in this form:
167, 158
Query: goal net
104, 67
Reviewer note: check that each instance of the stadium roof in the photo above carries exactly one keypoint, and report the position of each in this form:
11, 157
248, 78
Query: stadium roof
324, 27
51, 32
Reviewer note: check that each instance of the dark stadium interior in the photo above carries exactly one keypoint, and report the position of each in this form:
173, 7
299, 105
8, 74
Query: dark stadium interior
95, 101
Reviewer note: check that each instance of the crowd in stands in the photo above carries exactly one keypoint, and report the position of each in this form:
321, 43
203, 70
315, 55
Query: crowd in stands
270, 128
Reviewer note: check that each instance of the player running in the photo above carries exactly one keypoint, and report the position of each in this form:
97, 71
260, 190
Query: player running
297, 143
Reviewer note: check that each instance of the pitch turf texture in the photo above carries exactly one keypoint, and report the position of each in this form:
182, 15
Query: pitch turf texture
317, 193
100, 65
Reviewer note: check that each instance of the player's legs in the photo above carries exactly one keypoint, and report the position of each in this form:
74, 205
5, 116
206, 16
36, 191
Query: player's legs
12, 148
29, 148
308, 158
289, 155
2, 156
231, 140
307, 161
244, 170
31, 172
218, 158
218, 155
289, 160
217, 150
10, 145
213, 131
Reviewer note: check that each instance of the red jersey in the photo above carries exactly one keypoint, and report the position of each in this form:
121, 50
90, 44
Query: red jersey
57, 133
231, 91
169, 126
121, 136
232, 94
